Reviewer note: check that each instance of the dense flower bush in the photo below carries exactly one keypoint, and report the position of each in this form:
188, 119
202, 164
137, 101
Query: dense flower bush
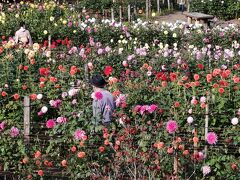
66, 26
225, 9
163, 80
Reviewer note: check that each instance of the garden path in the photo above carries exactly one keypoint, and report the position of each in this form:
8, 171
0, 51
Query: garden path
176, 16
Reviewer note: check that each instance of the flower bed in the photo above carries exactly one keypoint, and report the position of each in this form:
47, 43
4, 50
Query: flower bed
62, 23
168, 82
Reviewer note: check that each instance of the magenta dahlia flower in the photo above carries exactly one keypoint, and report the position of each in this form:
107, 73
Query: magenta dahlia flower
212, 138
98, 95
2, 126
171, 126
152, 108
50, 123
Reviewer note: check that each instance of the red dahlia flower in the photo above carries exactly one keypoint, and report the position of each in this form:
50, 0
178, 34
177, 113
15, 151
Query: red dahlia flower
44, 71
1, 49
108, 70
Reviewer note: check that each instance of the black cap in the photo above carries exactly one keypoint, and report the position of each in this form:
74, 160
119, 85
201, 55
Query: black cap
22, 24
98, 81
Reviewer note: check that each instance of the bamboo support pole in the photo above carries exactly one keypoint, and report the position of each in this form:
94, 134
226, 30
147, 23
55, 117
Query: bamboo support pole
26, 118
149, 7
169, 5
129, 13
112, 10
158, 6
112, 14
206, 122
120, 13
195, 143
49, 42
175, 163
86, 73
147, 10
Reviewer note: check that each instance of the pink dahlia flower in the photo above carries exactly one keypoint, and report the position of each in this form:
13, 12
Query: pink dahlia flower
121, 99
40, 113
143, 109
74, 102
171, 126
211, 138
137, 108
64, 94
14, 132
50, 124
79, 134
61, 120
152, 108
2, 125
57, 103
206, 170
100, 51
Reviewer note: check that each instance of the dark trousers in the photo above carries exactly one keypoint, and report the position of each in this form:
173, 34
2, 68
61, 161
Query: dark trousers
181, 7
106, 124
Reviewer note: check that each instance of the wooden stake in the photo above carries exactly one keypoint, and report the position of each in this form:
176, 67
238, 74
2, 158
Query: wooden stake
147, 10
135, 9
195, 143
26, 119
129, 13
206, 122
86, 73
112, 10
188, 6
112, 14
169, 5
49, 42
149, 7
175, 163
158, 6
120, 13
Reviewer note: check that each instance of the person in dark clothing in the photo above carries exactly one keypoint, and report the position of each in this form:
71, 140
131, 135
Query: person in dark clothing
181, 4
103, 102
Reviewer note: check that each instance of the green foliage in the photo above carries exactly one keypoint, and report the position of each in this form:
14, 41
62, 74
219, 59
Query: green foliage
152, 65
226, 9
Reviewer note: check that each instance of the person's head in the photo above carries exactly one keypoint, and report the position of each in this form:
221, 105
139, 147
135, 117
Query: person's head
22, 24
98, 81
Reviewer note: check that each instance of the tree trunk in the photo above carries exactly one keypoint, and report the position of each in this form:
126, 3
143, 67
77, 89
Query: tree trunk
112, 14
188, 5
149, 6
158, 6
147, 10
112, 11
129, 13
135, 9
169, 5
120, 13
